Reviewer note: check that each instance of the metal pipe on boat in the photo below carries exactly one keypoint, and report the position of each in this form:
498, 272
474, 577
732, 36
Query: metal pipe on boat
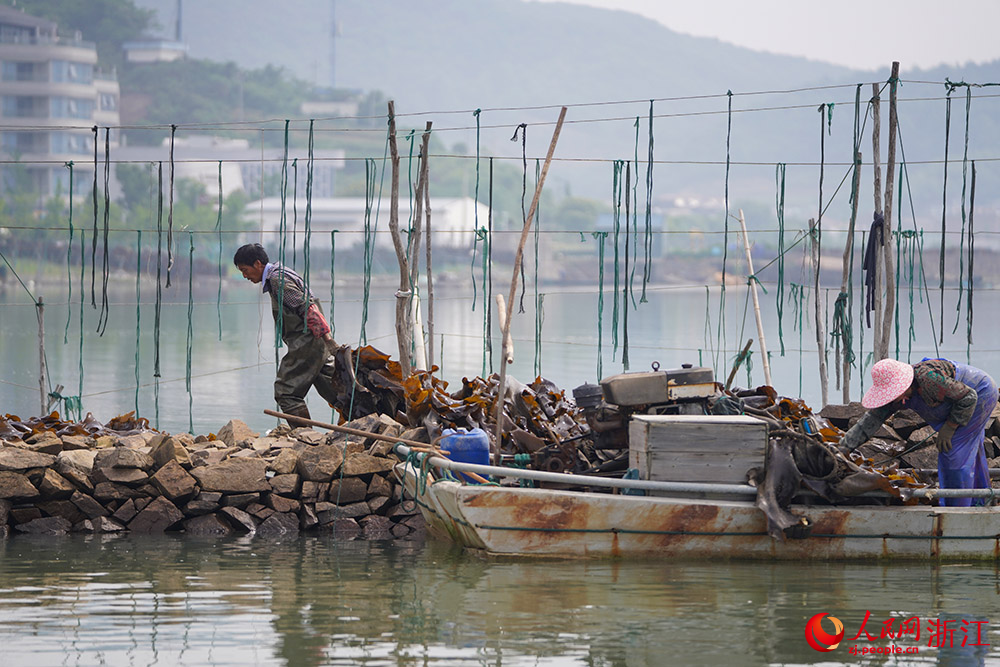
650, 485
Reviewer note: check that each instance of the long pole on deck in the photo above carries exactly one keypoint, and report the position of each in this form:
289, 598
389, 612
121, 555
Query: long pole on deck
513, 285
756, 304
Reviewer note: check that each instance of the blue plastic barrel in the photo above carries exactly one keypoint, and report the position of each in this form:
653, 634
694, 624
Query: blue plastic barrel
466, 446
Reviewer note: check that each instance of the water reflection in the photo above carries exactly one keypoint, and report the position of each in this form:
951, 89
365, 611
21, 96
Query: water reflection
317, 601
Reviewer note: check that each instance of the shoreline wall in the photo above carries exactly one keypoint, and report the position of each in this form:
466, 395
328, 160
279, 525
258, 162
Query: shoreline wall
277, 484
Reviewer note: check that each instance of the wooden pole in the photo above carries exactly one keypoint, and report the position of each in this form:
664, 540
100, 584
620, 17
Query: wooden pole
430, 276
846, 276
877, 352
739, 360
513, 283
40, 309
413, 245
404, 321
890, 174
756, 304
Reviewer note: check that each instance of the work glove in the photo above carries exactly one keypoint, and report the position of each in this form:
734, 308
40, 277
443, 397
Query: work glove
852, 439
316, 322
944, 436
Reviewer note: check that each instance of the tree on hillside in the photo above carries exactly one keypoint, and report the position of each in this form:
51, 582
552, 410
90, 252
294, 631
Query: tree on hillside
108, 23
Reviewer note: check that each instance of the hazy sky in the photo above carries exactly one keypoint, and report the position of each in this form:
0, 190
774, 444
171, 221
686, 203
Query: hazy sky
865, 34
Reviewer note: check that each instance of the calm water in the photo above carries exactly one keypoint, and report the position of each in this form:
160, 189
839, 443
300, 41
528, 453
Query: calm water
317, 601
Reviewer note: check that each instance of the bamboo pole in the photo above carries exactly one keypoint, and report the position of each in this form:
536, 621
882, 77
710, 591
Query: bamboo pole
513, 282
430, 276
413, 444
404, 322
877, 352
756, 304
890, 174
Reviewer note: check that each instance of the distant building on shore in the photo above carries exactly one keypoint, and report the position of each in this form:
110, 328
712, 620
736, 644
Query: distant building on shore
51, 96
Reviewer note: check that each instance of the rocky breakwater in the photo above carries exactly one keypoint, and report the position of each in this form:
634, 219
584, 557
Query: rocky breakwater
271, 485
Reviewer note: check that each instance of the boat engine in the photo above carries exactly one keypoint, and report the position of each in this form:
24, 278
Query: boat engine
688, 390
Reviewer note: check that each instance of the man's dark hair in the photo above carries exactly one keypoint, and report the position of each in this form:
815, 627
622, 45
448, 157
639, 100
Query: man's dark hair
250, 253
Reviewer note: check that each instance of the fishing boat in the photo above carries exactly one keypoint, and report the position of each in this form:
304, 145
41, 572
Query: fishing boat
510, 520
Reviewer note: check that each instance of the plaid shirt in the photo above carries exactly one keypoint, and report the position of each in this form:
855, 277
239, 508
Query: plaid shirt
293, 292
936, 384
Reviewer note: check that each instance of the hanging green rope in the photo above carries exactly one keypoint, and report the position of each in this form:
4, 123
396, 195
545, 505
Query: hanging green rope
961, 243
538, 299
83, 264
861, 320
159, 296
279, 322
170, 211
475, 213
721, 345
333, 282
523, 128
648, 266
625, 287
488, 278
69, 251
602, 238
371, 172
798, 294
616, 208
138, 301
189, 348
218, 230
635, 218
102, 319
295, 213
307, 246
779, 206
944, 203
972, 256
93, 240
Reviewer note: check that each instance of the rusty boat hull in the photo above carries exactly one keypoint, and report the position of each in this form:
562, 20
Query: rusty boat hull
516, 521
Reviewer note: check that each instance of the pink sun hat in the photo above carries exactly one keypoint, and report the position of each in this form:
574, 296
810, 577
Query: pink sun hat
890, 379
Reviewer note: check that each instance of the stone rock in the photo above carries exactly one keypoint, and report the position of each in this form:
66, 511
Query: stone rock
104, 524
5, 506
417, 525
319, 463
109, 491
233, 476
279, 525
245, 454
287, 485
238, 519
76, 466
314, 491
309, 436
126, 512
63, 508
345, 529
375, 527
162, 451
841, 415
239, 499
54, 485
123, 457
263, 445
382, 449
284, 463
366, 464
208, 524
182, 455
281, 504
140, 503
400, 530
402, 510
905, 422
200, 505
133, 441
347, 490
236, 431
49, 525
50, 443
379, 486
75, 442
15, 459
85, 526
259, 511
14, 485
157, 517
207, 457
377, 503
88, 505
105, 441
416, 434
307, 516
184, 439
25, 514
352, 511
174, 482
128, 476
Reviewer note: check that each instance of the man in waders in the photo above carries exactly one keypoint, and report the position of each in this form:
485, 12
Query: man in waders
304, 330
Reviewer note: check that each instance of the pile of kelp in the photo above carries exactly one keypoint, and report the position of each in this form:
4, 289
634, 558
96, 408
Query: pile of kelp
13, 427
